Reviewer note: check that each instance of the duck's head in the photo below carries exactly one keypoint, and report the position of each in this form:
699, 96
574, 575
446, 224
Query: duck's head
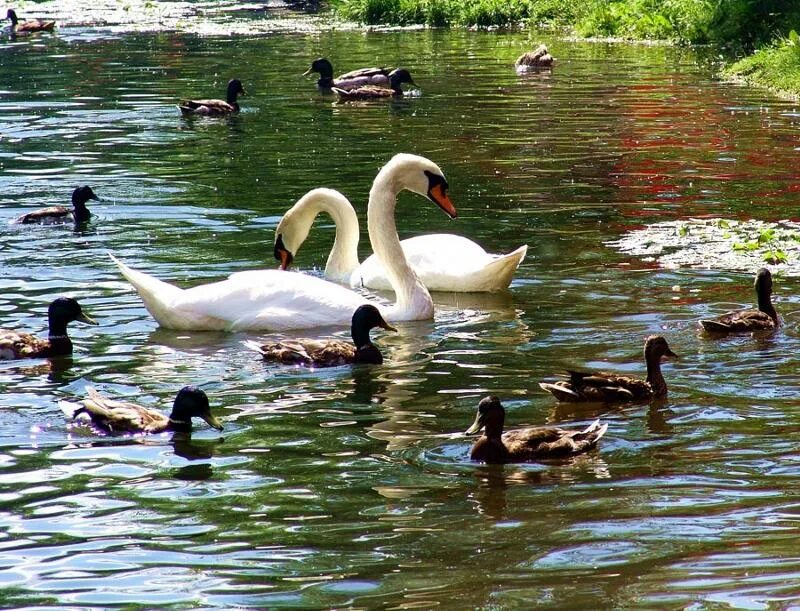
655, 348
490, 415
192, 402
399, 76
365, 318
763, 283
321, 66
421, 176
83, 194
12, 15
65, 310
235, 88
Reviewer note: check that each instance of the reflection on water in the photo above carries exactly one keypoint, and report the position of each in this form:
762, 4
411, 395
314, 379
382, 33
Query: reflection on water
352, 486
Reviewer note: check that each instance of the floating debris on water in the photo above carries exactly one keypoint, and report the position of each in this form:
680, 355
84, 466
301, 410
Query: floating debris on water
717, 244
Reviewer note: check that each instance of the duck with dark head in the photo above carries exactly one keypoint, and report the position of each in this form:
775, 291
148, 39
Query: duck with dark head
523, 445
78, 214
350, 80
19, 345
215, 107
765, 318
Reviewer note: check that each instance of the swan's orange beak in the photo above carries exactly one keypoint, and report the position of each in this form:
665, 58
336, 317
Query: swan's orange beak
285, 258
438, 194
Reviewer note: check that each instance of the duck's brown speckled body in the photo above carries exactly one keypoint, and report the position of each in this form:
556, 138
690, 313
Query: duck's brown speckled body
330, 353
523, 445
215, 107
362, 77
609, 387
765, 318
113, 416
374, 92
538, 58
29, 26
20, 345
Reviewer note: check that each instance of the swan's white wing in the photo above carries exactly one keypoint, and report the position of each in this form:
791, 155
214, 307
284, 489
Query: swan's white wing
446, 262
272, 300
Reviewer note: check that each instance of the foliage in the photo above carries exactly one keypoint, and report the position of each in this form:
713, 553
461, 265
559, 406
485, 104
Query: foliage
776, 66
686, 20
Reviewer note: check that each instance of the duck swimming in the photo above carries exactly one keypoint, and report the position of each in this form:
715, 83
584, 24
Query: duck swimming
78, 214
30, 26
214, 107
330, 353
349, 80
610, 387
765, 318
112, 416
523, 445
538, 58
19, 345
374, 92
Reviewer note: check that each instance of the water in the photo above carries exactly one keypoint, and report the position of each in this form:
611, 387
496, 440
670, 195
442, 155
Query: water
352, 487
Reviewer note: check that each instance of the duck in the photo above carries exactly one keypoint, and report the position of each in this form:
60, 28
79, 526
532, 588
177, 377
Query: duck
524, 445
213, 107
442, 261
374, 92
278, 300
538, 58
113, 416
765, 318
610, 387
349, 80
19, 345
330, 353
78, 214
30, 26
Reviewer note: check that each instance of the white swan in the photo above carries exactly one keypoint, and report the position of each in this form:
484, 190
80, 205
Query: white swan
443, 261
277, 300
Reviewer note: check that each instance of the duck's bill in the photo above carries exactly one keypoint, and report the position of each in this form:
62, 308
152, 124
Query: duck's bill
439, 196
387, 326
307, 72
671, 354
476, 426
212, 421
87, 319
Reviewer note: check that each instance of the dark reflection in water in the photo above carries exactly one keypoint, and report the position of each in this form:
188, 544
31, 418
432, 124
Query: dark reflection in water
352, 486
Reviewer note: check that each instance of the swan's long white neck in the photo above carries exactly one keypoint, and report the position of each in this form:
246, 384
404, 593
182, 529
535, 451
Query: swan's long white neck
413, 301
343, 258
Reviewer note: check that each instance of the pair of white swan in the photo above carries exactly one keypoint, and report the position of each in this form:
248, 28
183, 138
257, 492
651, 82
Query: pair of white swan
277, 300
442, 261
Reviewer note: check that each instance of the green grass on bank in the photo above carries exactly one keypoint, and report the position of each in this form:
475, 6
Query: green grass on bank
776, 66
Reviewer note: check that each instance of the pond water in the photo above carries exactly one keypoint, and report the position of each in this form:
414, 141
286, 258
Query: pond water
352, 486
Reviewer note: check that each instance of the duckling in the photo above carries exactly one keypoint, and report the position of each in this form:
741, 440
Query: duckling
79, 213
331, 353
538, 58
765, 318
373, 92
19, 345
523, 445
112, 416
30, 26
215, 107
349, 80
611, 387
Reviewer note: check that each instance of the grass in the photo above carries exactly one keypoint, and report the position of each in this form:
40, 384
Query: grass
776, 66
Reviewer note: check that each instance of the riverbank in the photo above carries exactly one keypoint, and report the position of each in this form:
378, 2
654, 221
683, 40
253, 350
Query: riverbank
759, 34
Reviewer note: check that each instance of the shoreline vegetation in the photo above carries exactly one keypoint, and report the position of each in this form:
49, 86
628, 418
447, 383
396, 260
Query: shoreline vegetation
761, 33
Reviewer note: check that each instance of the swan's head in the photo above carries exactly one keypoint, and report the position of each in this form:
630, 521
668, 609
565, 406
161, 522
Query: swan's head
293, 228
421, 176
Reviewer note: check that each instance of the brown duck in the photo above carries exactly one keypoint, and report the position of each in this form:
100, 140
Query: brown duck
78, 214
112, 416
330, 353
765, 318
538, 58
214, 107
522, 445
30, 26
610, 387
374, 92
19, 345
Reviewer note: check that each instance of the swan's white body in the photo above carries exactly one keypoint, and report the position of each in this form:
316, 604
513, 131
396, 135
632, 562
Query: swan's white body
442, 261
277, 300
